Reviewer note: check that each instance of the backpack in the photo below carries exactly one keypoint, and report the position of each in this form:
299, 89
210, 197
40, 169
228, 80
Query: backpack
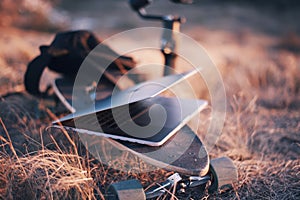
65, 56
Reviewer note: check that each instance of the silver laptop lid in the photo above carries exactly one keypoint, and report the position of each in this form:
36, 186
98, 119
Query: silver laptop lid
142, 91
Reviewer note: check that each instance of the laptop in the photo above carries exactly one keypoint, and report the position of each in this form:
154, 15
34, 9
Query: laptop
138, 114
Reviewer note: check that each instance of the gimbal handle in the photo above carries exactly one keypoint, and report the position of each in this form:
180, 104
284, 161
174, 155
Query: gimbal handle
171, 24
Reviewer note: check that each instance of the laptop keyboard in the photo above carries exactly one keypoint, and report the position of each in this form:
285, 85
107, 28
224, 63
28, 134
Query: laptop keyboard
107, 118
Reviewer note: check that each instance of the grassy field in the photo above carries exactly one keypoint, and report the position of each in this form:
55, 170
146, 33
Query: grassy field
260, 66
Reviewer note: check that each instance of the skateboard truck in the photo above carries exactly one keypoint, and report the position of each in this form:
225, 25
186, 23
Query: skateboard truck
161, 189
176, 179
171, 25
222, 174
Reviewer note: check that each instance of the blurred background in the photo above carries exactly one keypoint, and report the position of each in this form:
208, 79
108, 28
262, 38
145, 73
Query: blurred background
228, 29
276, 17
254, 43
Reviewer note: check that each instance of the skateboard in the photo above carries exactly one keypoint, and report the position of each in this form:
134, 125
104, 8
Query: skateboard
183, 153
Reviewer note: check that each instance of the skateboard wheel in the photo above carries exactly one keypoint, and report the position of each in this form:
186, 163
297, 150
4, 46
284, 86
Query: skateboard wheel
223, 174
126, 190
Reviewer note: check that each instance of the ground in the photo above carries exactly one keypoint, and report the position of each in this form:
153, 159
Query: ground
259, 63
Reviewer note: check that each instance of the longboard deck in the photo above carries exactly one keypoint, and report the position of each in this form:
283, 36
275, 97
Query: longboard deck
183, 152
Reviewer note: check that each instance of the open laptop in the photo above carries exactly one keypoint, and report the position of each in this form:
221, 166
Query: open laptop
138, 114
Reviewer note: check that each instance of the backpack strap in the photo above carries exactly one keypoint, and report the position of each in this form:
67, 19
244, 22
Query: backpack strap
34, 72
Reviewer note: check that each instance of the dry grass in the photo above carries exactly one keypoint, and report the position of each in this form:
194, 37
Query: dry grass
46, 174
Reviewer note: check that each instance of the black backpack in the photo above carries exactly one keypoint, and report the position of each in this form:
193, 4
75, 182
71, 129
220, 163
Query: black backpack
65, 56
